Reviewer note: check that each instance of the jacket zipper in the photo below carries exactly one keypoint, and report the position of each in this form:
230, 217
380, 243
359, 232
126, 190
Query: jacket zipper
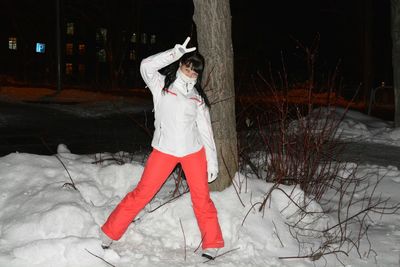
197, 133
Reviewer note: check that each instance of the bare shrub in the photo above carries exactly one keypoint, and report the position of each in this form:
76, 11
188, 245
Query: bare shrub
295, 126
356, 206
289, 135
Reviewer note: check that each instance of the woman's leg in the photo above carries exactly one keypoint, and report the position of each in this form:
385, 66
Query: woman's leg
195, 168
158, 167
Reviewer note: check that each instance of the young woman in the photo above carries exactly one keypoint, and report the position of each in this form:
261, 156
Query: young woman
183, 134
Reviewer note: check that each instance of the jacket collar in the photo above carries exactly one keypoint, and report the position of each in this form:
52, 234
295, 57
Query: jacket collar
184, 83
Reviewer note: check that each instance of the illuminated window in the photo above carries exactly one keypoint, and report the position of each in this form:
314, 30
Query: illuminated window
153, 39
82, 49
82, 69
132, 54
143, 38
12, 43
134, 38
69, 49
101, 55
68, 68
101, 35
70, 28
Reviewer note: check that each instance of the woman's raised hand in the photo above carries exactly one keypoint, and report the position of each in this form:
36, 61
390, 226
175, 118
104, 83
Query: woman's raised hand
182, 47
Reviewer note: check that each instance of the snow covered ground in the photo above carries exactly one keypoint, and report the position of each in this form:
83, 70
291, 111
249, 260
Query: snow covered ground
44, 222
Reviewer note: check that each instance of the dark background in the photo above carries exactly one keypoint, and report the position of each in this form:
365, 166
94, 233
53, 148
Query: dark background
353, 35
353, 40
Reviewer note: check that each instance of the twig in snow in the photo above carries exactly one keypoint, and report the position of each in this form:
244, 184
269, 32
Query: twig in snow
313, 257
201, 242
222, 254
99, 257
172, 199
184, 237
277, 234
247, 214
72, 184
231, 177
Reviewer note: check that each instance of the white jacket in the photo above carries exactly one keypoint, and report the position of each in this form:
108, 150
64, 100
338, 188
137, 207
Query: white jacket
182, 119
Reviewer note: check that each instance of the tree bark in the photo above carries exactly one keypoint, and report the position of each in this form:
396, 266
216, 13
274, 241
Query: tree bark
213, 24
395, 30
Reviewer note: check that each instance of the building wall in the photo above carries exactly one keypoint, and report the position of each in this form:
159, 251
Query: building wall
36, 22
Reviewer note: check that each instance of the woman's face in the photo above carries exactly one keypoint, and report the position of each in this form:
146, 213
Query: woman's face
188, 71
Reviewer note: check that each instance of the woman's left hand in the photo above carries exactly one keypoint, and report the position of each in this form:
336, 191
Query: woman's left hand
212, 175
182, 47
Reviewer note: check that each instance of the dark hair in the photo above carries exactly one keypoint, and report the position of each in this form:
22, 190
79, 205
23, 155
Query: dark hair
196, 63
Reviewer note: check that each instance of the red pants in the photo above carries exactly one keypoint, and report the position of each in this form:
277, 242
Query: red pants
158, 167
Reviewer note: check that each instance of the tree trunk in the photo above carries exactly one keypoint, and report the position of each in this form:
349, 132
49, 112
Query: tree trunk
395, 15
213, 23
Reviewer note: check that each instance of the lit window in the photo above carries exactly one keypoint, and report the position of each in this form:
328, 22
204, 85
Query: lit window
153, 39
82, 69
132, 54
70, 28
101, 35
69, 49
133, 38
40, 48
101, 55
144, 38
68, 68
82, 49
12, 43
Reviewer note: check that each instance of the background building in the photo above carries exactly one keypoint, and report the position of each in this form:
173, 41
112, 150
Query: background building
102, 41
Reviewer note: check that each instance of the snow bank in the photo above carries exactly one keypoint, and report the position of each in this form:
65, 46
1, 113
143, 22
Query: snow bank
45, 222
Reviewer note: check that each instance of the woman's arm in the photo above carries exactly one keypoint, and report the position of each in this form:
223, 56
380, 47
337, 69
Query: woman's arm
207, 137
149, 66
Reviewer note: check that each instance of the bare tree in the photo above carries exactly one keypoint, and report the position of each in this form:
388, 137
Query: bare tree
213, 24
395, 15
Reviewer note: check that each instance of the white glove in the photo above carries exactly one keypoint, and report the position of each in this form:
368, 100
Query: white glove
182, 47
212, 175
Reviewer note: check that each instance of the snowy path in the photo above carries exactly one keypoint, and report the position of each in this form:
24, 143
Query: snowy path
85, 128
372, 153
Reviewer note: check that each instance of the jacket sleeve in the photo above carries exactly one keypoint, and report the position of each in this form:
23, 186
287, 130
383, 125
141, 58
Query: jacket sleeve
207, 137
149, 69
